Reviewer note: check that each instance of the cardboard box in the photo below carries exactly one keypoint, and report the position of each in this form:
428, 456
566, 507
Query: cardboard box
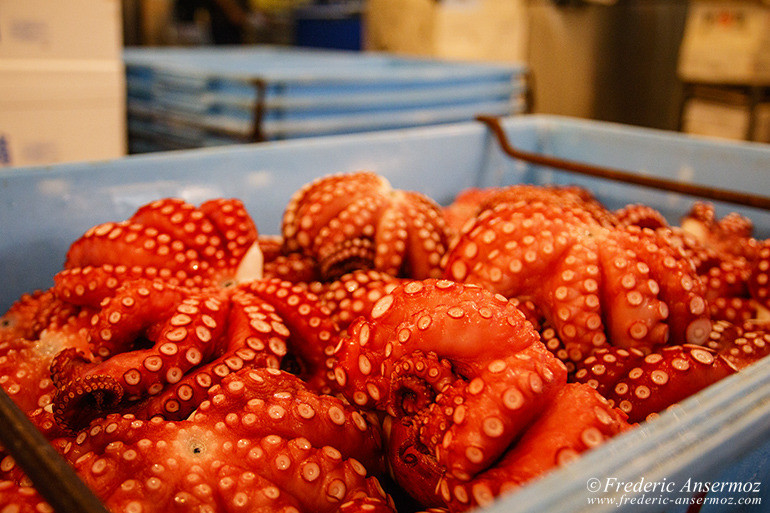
726, 41
726, 113
60, 111
488, 30
762, 123
60, 29
714, 119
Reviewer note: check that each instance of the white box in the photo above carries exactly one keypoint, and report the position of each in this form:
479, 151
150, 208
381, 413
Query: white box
61, 111
726, 41
60, 29
485, 30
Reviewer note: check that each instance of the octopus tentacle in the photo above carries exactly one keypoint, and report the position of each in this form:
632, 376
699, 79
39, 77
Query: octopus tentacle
32, 332
354, 294
313, 334
665, 378
21, 497
130, 244
490, 411
89, 285
642, 216
733, 309
759, 280
680, 289
293, 267
740, 345
639, 316
183, 332
576, 420
280, 403
238, 230
33, 313
416, 380
606, 366
256, 337
365, 357
412, 465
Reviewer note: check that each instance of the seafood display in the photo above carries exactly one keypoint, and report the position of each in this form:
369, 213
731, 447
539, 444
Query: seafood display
382, 353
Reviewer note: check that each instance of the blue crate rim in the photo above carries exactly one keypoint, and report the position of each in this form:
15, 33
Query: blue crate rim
435, 69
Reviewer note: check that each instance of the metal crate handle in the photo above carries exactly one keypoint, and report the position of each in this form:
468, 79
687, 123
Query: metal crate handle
712, 193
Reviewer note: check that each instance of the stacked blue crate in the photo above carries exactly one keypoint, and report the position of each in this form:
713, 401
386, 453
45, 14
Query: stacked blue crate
196, 97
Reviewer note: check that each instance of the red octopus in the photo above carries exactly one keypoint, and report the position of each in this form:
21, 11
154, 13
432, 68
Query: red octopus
260, 442
211, 246
164, 305
596, 284
462, 375
358, 221
157, 348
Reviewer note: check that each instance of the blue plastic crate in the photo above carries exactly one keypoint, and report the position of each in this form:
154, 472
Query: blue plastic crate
720, 434
305, 93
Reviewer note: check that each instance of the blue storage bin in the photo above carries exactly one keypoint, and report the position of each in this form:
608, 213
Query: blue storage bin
336, 25
271, 93
721, 434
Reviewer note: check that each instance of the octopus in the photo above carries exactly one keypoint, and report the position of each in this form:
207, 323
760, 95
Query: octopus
156, 348
150, 313
211, 246
358, 220
462, 376
729, 260
259, 442
596, 283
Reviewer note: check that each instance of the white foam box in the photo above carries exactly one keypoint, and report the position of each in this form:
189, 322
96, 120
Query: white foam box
60, 29
55, 111
487, 30
726, 41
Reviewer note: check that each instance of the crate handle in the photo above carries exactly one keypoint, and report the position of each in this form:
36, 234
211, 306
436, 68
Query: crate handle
54, 478
712, 193
260, 89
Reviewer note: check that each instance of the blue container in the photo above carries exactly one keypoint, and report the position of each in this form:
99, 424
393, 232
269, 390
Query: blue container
214, 96
721, 434
336, 26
